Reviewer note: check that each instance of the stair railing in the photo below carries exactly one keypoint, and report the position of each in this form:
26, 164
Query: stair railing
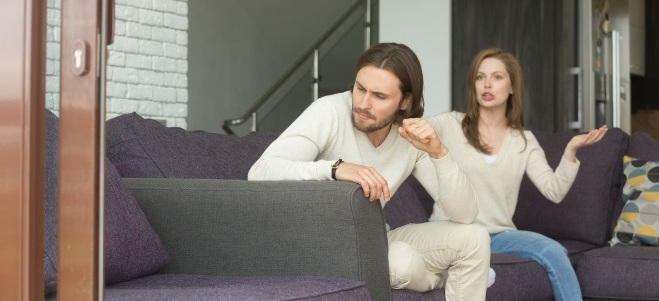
314, 50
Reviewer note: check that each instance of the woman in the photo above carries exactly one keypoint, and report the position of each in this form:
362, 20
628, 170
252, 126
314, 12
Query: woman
493, 150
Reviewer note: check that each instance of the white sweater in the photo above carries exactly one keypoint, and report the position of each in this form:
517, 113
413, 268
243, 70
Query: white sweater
497, 183
324, 132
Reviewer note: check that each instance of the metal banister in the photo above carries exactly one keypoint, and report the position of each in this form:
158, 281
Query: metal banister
236, 121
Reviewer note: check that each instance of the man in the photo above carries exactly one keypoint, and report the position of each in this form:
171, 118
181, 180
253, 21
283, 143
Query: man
353, 136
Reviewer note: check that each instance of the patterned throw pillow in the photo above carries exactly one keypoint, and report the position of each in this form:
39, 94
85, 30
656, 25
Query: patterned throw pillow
638, 223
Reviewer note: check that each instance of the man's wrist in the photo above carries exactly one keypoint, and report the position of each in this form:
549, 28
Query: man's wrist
334, 167
441, 154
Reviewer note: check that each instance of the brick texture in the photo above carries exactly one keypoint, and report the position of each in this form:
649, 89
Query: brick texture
147, 65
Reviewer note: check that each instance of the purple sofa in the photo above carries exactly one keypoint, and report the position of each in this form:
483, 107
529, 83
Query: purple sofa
188, 226
583, 223
205, 233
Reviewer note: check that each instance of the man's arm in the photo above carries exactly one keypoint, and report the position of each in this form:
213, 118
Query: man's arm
439, 174
292, 156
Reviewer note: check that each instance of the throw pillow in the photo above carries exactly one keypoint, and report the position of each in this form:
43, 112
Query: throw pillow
144, 148
132, 249
638, 223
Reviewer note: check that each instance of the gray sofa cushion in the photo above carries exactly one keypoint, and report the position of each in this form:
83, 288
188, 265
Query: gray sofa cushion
624, 272
132, 248
587, 212
144, 148
174, 287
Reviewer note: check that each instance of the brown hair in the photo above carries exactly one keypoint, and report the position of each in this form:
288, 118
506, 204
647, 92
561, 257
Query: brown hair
514, 105
404, 64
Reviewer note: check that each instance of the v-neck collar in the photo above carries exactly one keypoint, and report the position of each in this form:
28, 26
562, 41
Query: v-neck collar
387, 140
501, 152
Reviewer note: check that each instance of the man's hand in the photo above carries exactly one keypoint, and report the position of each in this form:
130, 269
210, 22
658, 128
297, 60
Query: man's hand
422, 135
373, 184
582, 140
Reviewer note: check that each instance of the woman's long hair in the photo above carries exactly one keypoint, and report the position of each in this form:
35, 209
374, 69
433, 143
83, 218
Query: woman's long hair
514, 105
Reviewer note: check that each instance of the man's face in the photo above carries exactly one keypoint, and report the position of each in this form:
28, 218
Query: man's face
376, 98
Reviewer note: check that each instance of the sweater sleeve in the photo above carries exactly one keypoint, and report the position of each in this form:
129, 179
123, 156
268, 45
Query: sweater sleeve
449, 187
554, 185
292, 156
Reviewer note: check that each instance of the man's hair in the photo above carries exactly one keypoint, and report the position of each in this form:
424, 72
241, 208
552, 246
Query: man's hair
404, 64
514, 105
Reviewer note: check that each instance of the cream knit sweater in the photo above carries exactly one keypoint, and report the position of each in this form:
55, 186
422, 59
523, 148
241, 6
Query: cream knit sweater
497, 183
324, 132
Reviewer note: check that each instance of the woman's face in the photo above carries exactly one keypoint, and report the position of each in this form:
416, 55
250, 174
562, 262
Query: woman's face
493, 85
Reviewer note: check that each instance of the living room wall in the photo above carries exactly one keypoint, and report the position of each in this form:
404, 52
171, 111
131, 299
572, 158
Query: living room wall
147, 64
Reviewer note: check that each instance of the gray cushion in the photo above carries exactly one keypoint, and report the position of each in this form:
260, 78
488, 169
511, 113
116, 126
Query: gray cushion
144, 148
175, 287
132, 248
623, 272
587, 212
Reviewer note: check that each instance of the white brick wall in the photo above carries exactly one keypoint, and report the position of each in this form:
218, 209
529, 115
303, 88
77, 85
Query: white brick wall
147, 64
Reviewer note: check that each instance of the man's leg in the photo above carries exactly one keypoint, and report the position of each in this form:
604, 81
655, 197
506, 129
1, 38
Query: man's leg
550, 254
463, 250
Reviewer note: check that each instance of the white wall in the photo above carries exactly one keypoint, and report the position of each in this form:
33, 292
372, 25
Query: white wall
147, 63
424, 26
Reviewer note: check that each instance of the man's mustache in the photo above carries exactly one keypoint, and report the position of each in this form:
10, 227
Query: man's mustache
363, 112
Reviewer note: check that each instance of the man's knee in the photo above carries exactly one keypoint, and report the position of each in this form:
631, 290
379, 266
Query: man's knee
407, 269
403, 259
475, 237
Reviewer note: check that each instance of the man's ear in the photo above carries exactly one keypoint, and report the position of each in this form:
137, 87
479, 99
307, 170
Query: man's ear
406, 102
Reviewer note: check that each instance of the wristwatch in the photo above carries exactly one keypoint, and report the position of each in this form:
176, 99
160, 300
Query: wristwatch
334, 166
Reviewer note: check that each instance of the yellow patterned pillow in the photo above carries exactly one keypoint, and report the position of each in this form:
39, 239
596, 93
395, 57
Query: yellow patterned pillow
638, 223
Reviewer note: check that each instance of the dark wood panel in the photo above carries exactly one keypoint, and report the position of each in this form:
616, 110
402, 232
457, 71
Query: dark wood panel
79, 160
22, 119
528, 29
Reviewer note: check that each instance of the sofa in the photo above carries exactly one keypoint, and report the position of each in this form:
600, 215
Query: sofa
182, 223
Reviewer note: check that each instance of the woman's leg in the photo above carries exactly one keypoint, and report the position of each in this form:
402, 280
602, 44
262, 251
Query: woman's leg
462, 250
550, 254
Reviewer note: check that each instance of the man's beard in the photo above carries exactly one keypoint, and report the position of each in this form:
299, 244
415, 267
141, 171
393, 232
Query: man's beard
373, 127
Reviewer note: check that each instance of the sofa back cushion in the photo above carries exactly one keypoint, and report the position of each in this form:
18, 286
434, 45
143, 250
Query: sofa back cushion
411, 204
144, 148
587, 211
132, 249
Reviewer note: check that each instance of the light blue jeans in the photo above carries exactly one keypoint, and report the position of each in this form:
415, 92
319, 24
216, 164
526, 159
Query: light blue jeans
550, 254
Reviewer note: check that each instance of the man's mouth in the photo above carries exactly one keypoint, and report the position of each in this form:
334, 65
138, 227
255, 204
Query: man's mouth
363, 114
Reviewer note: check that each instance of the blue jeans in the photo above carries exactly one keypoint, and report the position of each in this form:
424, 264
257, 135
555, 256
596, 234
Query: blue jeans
550, 254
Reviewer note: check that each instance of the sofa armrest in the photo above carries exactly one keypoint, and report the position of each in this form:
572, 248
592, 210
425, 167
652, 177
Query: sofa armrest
250, 228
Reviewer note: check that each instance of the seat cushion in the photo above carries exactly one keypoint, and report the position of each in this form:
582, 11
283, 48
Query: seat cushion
621, 272
174, 287
586, 212
132, 247
516, 279
144, 148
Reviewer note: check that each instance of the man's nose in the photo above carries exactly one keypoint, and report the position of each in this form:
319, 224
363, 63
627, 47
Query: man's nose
366, 101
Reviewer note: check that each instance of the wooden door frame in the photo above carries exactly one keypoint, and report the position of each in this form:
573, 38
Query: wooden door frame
86, 30
22, 123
